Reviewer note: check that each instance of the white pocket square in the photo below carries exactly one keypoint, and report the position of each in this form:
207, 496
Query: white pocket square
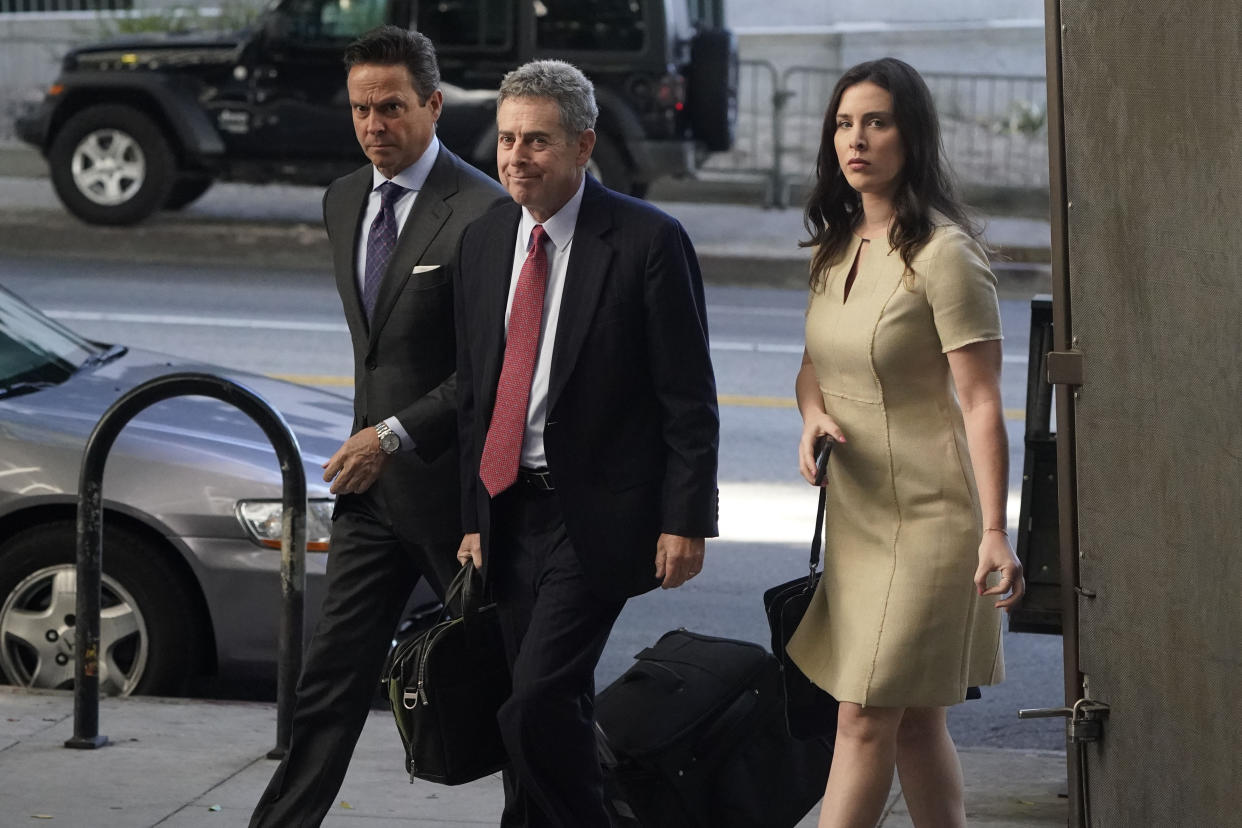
423, 269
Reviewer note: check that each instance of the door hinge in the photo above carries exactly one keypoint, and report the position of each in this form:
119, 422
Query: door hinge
1065, 367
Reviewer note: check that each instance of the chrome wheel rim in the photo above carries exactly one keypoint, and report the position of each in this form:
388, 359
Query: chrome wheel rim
108, 167
38, 632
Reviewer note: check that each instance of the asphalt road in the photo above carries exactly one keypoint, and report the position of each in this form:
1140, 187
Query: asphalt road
288, 323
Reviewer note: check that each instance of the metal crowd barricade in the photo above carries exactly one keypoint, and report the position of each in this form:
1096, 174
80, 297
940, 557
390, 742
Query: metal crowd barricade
757, 144
90, 543
993, 127
807, 90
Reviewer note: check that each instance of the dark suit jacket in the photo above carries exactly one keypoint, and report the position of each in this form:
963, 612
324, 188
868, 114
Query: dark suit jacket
632, 429
404, 361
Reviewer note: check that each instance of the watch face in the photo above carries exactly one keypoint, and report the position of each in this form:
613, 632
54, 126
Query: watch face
389, 442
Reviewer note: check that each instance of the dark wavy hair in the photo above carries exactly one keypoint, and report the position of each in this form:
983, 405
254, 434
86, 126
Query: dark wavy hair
394, 46
925, 184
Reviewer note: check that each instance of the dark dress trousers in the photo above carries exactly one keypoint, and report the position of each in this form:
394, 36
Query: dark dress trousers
405, 526
631, 440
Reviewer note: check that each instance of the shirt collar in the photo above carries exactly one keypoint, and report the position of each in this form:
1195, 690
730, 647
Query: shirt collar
560, 227
414, 176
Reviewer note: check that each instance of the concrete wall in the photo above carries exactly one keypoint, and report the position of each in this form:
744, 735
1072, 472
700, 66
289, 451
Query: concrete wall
752, 14
990, 37
992, 49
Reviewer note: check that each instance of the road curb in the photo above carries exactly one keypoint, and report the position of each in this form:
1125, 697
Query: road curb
171, 239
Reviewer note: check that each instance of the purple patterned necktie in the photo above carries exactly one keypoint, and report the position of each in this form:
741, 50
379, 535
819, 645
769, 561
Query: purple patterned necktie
380, 243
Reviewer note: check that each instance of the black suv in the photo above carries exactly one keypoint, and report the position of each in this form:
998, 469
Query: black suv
134, 126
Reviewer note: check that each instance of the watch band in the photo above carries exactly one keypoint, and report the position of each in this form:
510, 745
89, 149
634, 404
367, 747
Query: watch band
389, 440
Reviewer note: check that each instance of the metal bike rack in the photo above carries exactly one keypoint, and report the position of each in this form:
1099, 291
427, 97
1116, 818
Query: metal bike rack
90, 543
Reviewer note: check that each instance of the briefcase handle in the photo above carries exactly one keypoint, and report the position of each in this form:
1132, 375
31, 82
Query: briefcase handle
465, 597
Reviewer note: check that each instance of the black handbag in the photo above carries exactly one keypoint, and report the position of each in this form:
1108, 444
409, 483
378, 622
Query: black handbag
445, 686
810, 712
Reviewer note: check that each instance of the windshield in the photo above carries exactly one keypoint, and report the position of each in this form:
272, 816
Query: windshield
331, 20
590, 25
34, 350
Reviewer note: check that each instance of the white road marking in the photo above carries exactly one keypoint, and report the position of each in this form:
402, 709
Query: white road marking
756, 347
743, 310
785, 513
184, 320
198, 321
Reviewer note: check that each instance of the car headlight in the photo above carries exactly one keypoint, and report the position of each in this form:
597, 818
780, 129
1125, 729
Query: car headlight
262, 520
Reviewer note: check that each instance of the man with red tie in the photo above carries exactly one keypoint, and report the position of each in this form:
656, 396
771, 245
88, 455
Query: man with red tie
588, 426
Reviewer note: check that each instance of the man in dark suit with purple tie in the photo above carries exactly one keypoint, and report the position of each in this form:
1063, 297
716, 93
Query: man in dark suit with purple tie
394, 226
588, 427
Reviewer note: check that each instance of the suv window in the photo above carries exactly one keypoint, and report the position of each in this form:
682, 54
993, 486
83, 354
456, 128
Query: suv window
333, 20
590, 25
465, 24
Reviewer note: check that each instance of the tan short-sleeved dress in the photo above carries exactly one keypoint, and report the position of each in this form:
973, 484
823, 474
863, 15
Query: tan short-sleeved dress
897, 620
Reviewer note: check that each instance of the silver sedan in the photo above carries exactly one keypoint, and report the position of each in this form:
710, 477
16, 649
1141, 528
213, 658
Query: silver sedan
192, 530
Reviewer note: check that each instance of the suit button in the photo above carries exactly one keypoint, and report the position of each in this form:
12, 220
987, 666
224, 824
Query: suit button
370, 363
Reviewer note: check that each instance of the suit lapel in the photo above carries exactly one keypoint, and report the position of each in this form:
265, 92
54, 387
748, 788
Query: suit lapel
430, 212
355, 194
494, 298
587, 270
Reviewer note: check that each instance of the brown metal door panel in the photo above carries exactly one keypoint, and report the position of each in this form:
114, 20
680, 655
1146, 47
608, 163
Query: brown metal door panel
1152, 124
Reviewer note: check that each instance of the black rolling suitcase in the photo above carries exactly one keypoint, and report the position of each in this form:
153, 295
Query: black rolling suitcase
696, 731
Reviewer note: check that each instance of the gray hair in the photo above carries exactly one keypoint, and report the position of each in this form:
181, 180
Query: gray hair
558, 81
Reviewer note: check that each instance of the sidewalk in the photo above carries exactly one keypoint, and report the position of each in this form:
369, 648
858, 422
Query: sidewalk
279, 226
190, 763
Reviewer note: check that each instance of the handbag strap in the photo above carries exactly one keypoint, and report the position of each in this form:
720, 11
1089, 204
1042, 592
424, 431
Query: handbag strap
819, 535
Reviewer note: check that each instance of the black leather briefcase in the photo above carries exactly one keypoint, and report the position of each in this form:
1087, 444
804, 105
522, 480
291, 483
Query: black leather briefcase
445, 686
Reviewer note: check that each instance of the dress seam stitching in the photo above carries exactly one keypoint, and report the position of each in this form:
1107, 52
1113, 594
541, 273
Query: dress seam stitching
892, 477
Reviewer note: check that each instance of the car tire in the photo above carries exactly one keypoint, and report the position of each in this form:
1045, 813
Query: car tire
187, 190
151, 635
111, 164
611, 169
711, 90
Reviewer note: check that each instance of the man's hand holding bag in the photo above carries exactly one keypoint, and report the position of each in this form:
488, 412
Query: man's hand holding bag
445, 687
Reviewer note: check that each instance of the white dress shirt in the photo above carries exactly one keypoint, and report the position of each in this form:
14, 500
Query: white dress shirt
560, 230
412, 178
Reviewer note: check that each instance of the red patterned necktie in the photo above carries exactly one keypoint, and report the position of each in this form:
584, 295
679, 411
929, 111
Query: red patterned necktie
499, 465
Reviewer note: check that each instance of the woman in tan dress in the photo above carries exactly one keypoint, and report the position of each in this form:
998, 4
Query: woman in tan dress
902, 369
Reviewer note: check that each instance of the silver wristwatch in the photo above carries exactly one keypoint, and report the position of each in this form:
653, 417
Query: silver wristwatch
389, 441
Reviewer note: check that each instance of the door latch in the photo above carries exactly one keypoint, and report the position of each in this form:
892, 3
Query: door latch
1084, 721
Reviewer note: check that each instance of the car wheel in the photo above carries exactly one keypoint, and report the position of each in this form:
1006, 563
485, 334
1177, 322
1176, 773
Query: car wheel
711, 91
187, 190
611, 169
150, 636
111, 164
